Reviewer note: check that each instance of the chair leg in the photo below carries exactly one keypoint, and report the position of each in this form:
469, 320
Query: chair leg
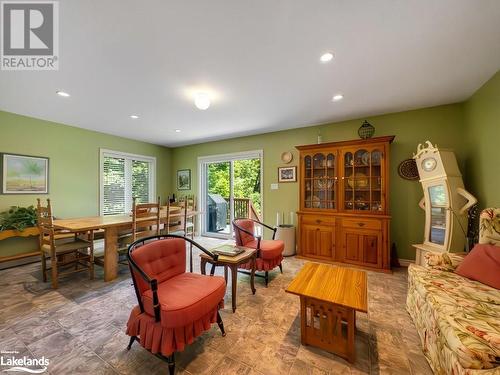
190, 257
220, 323
281, 268
53, 265
44, 268
266, 278
171, 364
132, 339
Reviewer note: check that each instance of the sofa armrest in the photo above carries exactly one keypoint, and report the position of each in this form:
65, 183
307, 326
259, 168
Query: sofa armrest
443, 261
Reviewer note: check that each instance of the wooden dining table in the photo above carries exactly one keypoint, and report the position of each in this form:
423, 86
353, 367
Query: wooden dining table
111, 225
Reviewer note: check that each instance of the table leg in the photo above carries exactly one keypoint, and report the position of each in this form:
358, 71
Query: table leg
252, 274
203, 266
225, 273
303, 318
110, 253
351, 326
234, 277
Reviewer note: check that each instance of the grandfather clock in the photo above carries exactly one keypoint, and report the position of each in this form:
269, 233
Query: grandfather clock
445, 201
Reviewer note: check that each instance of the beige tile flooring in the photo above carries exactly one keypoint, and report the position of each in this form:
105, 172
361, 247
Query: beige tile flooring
80, 328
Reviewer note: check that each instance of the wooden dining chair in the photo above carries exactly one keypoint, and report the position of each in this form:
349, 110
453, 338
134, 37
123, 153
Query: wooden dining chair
145, 223
66, 250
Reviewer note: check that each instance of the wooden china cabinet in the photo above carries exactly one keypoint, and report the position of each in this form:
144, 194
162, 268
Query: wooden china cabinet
344, 194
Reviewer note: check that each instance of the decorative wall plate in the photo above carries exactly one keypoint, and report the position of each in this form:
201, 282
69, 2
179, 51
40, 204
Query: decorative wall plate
408, 170
360, 181
286, 157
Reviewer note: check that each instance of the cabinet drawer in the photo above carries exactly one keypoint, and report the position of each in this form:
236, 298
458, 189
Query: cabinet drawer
362, 223
318, 220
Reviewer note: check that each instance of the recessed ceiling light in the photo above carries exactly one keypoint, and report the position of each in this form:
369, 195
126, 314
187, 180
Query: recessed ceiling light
326, 57
134, 117
62, 93
201, 100
177, 130
337, 97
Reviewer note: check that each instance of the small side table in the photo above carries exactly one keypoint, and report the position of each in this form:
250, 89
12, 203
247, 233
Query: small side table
232, 263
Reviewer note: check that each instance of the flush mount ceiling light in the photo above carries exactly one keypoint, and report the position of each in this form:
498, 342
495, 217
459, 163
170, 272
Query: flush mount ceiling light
62, 93
326, 57
337, 97
177, 130
135, 117
202, 100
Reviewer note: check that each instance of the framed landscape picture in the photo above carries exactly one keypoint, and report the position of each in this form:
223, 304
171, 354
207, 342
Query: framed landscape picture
184, 179
287, 174
22, 174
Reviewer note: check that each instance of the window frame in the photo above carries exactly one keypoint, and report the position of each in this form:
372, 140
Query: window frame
128, 176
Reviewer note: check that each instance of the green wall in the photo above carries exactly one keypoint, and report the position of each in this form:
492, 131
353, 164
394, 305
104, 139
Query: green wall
73, 168
443, 125
482, 118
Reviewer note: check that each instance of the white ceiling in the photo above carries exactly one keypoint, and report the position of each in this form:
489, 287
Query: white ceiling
261, 60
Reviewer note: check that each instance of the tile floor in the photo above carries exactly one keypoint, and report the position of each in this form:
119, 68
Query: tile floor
80, 328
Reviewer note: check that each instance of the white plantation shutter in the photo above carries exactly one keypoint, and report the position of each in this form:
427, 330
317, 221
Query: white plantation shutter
140, 181
124, 176
113, 185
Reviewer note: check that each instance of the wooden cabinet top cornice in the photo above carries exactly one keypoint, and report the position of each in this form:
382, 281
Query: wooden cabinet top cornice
384, 139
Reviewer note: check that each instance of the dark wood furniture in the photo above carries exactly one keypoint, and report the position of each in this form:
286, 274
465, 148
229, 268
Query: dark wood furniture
329, 299
66, 250
344, 202
231, 262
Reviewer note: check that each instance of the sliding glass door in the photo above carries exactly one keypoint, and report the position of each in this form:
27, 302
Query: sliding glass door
230, 187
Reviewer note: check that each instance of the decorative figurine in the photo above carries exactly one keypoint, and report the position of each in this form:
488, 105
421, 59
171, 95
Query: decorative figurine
445, 201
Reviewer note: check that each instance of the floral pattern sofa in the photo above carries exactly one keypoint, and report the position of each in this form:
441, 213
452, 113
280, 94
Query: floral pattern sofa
458, 319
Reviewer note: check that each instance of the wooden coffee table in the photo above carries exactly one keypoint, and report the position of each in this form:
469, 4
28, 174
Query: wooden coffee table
329, 299
232, 263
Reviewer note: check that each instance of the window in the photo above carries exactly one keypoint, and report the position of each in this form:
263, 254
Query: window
124, 176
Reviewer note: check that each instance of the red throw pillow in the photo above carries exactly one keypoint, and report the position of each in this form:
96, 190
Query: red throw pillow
482, 264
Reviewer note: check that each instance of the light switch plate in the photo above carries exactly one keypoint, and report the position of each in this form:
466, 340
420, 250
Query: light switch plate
274, 186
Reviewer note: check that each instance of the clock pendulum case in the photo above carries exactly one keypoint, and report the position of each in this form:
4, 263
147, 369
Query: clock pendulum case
445, 201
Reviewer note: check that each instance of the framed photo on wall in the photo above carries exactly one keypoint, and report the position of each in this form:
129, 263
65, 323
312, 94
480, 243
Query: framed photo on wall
287, 174
23, 174
184, 179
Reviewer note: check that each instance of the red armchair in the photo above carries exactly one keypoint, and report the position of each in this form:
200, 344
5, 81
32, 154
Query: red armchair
269, 252
174, 306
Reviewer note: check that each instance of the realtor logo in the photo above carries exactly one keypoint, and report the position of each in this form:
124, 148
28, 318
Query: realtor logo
29, 35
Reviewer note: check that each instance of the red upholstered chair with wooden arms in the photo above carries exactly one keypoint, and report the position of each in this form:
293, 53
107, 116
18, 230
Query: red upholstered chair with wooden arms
174, 306
269, 252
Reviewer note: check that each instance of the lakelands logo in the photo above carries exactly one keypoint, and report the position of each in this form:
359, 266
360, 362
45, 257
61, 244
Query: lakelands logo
29, 35
15, 363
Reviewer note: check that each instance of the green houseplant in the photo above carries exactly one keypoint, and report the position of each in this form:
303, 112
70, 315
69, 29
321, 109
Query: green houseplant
18, 218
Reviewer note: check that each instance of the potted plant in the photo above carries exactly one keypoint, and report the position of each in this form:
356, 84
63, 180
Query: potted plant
18, 221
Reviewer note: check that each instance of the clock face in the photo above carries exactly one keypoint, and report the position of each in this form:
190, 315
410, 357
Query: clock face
429, 164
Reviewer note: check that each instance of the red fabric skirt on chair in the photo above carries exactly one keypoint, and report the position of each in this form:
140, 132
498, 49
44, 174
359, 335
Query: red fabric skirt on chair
165, 341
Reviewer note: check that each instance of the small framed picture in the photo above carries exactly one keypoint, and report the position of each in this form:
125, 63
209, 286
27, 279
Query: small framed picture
23, 174
287, 174
184, 179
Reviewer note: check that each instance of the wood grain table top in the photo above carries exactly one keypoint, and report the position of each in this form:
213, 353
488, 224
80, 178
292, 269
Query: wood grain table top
339, 285
237, 259
102, 222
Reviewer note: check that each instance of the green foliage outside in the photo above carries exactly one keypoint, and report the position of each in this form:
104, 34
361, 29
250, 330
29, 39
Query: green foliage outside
246, 180
18, 218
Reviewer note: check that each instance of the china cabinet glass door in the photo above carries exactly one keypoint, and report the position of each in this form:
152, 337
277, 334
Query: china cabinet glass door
363, 180
320, 179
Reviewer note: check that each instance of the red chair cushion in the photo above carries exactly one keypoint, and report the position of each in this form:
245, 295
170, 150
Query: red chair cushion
241, 237
482, 264
161, 260
269, 249
186, 298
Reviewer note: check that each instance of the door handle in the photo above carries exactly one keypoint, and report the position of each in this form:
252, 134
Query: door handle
318, 221
361, 224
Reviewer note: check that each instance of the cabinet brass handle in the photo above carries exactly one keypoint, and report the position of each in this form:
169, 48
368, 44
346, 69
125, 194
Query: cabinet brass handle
361, 224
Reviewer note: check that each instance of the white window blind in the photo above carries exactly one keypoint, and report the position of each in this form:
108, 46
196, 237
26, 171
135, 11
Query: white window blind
124, 176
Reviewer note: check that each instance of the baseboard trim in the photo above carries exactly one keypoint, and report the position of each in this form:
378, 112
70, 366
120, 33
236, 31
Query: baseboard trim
405, 262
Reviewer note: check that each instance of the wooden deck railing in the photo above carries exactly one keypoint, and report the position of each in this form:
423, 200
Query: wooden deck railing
243, 207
